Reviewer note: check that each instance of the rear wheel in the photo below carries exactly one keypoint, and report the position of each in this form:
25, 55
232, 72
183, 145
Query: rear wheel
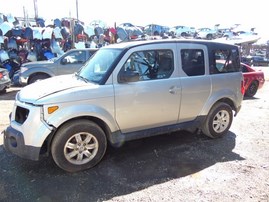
252, 89
218, 121
38, 77
78, 145
209, 37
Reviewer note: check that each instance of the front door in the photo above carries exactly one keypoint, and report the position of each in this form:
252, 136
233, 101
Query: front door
154, 100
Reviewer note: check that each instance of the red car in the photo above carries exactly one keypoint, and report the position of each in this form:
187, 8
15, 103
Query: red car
253, 80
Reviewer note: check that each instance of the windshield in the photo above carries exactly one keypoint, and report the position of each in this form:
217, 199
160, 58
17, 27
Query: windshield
97, 67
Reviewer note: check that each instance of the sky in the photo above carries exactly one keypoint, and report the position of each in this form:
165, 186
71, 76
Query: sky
196, 13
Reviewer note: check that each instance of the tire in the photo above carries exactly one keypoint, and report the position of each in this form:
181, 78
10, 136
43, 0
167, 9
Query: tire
38, 77
252, 89
209, 37
184, 34
3, 91
218, 121
156, 33
78, 145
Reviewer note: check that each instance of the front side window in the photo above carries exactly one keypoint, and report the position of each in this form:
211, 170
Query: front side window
192, 61
76, 57
150, 64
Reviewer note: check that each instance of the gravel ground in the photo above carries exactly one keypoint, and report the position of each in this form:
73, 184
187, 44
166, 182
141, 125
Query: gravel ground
178, 167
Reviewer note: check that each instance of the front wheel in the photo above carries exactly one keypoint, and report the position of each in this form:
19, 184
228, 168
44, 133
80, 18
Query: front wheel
218, 121
78, 145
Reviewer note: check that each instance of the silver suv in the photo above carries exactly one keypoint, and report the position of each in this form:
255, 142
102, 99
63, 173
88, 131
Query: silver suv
127, 91
68, 63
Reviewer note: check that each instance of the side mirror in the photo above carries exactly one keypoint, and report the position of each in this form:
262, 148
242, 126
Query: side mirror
128, 76
64, 61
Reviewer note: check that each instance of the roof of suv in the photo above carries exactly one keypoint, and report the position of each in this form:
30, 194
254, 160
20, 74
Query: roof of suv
130, 44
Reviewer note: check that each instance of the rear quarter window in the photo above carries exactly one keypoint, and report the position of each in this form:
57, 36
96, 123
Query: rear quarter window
225, 61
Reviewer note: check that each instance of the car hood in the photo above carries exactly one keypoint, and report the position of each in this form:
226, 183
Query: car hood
38, 63
34, 93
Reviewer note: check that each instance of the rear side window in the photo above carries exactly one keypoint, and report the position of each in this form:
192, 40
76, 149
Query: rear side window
151, 64
192, 61
226, 61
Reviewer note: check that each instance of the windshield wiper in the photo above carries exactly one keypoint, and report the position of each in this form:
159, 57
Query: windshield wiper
81, 77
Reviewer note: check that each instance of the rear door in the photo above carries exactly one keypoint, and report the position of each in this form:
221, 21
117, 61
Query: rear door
195, 79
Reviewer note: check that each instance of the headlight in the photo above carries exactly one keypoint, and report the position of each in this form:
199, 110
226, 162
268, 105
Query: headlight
17, 97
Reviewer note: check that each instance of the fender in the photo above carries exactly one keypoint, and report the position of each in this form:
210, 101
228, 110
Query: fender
71, 112
226, 94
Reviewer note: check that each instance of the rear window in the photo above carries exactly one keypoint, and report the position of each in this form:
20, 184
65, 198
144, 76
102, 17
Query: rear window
225, 61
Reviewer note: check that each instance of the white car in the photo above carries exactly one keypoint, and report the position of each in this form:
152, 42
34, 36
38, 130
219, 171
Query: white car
182, 31
206, 33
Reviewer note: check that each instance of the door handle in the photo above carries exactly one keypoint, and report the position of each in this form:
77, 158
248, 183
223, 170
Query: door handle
174, 89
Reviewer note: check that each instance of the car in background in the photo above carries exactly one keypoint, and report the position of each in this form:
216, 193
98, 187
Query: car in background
126, 31
5, 81
182, 31
259, 61
256, 60
156, 30
253, 80
68, 63
206, 33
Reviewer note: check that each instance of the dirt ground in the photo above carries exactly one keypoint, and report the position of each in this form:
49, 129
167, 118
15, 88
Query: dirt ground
178, 167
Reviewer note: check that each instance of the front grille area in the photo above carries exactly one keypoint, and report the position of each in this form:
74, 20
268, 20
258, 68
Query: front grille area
21, 115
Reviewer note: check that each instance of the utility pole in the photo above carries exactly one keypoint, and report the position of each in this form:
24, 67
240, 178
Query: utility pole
36, 9
77, 8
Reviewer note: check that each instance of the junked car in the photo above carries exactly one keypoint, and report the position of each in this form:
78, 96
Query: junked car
155, 30
206, 33
127, 91
182, 31
5, 81
253, 80
68, 63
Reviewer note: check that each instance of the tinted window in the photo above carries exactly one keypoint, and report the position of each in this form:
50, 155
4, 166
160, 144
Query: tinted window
225, 61
150, 64
193, 63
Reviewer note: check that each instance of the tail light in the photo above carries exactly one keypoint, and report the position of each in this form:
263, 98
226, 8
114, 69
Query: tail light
243, 88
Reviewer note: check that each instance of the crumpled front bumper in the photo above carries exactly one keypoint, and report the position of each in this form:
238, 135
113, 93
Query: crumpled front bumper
14, 143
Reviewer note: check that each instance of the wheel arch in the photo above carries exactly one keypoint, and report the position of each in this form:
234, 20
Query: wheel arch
183, 34
37, 74
46, 146
226, 100
229, 102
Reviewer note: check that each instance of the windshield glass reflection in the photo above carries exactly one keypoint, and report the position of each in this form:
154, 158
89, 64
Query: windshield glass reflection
97, 67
